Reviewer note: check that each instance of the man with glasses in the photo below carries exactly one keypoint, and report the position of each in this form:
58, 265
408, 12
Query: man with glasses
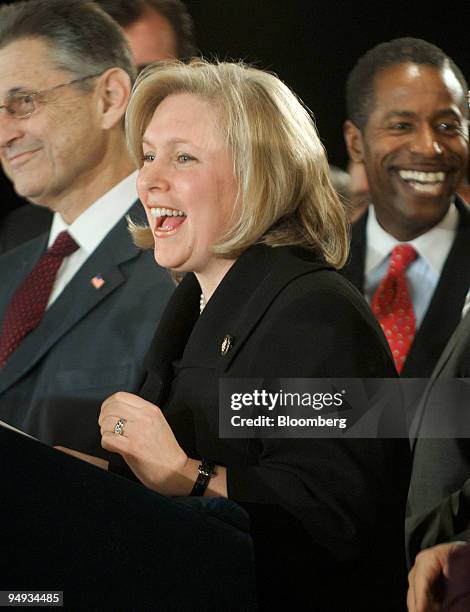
155, 30
76, 305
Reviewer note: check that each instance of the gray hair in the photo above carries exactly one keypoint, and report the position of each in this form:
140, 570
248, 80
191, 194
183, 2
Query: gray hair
82, 38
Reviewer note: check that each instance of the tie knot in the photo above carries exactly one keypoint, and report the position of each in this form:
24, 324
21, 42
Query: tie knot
63, 246
402, 256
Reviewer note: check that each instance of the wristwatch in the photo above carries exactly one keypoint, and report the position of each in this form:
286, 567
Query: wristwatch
206, 471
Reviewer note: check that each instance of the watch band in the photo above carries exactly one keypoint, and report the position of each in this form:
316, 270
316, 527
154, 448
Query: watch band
206, 470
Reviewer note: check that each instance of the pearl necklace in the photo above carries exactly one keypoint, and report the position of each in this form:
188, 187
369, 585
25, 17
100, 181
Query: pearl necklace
202, 303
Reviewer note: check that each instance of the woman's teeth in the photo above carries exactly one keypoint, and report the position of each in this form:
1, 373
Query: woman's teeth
166, 212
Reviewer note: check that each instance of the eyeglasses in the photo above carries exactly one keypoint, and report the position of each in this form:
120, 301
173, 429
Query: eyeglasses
22, 105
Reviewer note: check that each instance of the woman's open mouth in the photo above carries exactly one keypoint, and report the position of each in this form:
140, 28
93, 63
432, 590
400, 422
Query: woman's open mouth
168, 220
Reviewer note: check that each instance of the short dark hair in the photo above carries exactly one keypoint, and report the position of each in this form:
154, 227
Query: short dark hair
360, 83
82, 38
125, 12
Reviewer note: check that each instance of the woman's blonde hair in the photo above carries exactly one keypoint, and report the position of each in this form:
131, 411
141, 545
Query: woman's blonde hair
285, 194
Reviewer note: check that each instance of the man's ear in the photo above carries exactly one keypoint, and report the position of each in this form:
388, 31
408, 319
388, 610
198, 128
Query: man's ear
354, 142
113, 90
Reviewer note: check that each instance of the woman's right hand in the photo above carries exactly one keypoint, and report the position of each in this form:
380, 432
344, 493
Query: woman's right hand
146, 443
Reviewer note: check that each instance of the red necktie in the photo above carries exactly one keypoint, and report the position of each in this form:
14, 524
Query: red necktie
392, 304
30, 299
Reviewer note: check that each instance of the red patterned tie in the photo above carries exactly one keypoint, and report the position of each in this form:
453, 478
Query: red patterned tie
30, 299
393, 307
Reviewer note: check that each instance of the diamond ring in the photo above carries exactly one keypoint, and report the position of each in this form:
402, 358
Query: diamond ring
119, 427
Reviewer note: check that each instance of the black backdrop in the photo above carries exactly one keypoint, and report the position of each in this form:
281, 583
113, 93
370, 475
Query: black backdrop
313, 44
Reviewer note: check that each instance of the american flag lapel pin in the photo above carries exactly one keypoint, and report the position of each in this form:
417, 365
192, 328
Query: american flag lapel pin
97, 281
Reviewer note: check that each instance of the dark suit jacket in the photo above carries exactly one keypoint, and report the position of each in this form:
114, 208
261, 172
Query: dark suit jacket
23, 224
89, 344
445, 308
439, 498
317, 506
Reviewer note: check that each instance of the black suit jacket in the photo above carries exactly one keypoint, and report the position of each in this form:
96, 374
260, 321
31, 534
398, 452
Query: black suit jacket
445, 308
317, 506
439, 497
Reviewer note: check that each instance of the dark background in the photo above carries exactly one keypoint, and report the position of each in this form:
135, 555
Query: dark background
313, 44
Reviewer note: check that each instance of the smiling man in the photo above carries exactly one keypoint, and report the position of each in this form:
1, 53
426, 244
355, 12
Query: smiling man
75, 320
155, 30
410, 253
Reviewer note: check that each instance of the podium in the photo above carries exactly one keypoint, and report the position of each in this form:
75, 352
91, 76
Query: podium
112, 544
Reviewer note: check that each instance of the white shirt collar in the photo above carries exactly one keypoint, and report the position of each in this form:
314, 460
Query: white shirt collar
433, 246
89, 229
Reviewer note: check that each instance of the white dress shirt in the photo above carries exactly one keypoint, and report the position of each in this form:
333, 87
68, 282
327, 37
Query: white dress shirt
423, 273
90, 228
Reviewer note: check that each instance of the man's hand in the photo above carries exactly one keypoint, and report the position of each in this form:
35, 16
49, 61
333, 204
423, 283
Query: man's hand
425, 592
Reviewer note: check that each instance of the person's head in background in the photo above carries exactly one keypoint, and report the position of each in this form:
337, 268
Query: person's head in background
352, 188
408, 124
156, 29
66, 73
359, 190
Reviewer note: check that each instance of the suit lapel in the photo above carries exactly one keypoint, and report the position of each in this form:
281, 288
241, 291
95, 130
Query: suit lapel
452, 364
266, 284
74, 303
444, 312
169, 341
459, 342
354, 268
240, 301
21, 261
